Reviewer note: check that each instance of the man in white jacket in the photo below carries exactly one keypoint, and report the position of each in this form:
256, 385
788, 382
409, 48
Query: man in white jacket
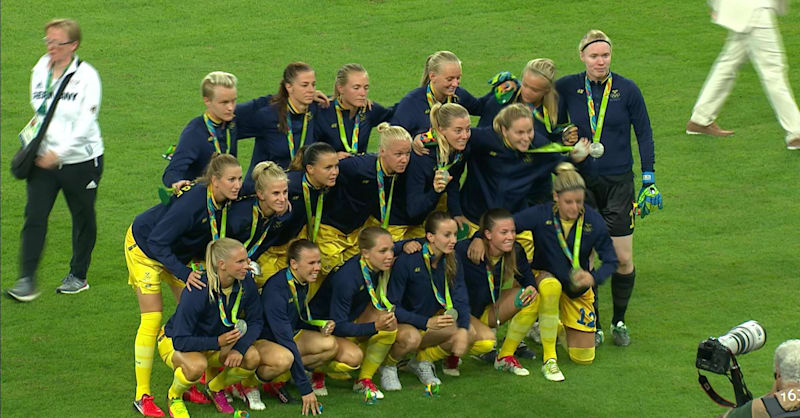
70, 158
752, 33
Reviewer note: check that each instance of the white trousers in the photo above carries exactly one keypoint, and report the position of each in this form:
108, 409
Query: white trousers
764, 47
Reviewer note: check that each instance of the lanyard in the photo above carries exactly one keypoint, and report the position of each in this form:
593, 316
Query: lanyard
290, 134
446, 302
439, 164
213, 132
293, 289
597, 124
253, 228
553, 147
48, 88
383, 304
312, 220
432, 98
212, 219
574, 256
352, 149
490, 278
544, 119
386, 206
234, 310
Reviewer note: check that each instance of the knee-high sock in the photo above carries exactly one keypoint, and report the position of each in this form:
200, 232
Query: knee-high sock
550, 292
144, 348
517, 328
390, 361
481, 347
251, 381
228, 377
336, 367
378, 347
179, 384
432, 354
283, 377
621, 290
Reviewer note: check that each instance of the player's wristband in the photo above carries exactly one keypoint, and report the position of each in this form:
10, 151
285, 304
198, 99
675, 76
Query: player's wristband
648, 177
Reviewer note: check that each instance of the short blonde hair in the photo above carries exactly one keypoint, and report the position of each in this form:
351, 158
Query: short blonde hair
267, 172
217, 78
508, 115
594, 35
392, 133
69, 26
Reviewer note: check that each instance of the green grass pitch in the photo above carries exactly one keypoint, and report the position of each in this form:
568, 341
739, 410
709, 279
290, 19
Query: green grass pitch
722, 251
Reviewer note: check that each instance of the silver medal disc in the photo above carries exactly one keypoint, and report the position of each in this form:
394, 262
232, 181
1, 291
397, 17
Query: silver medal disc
255, 268
453, 313
241, 325
596, 149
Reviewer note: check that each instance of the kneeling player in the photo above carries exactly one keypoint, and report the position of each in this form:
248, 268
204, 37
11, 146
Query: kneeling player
565, 233
209, 329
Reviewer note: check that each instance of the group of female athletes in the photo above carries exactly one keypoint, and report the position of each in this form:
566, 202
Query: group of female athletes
325, 260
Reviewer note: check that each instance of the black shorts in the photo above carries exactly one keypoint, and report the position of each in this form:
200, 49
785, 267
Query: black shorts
613, 197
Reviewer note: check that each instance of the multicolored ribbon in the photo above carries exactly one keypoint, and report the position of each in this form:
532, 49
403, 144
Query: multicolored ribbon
574, 256
597, 124
386, 206
253, 227
213, 132
352, 149
490, 278
446, 301
545, 119
290, 134
383, 304
312, 221
429, 94
293, 289
212, 218
234, 310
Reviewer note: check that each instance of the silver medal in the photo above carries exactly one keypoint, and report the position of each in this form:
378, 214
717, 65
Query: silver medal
241, 325
452, 312
255, 268
596, 149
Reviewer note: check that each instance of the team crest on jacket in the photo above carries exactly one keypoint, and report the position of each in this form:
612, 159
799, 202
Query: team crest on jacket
615, 94
579, 91
334, 125
587, 228
417, 269
365, 181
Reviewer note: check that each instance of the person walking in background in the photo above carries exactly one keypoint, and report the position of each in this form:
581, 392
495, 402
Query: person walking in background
752, 33
70, 158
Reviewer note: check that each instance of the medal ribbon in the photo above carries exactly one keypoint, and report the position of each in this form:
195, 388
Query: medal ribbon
490, 278
386, 207
234, 310
432, 98
544, 119
312, 220
552, 147
446, 302
290, 134
212, 219
383, 304
253, 228
293, 289
597, 124
574, 256
441, 166
352, 149
213, 132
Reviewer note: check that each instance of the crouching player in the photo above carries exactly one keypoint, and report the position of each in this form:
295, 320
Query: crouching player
354, 296
289, 323
428, 290
503, 260
208, 328
565, 233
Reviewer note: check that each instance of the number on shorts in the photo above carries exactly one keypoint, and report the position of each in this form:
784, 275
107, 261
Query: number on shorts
584, 316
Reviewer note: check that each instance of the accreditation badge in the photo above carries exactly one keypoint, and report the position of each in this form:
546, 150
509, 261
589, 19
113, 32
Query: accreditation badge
29, 132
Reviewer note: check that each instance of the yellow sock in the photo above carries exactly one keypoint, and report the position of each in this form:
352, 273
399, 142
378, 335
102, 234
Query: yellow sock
251, 381
432, 354
180, 384
378, 347
517, 328
283, 377
144, 347
228, 377
562, 336
481, 347
390, 361
550, 293
581, 355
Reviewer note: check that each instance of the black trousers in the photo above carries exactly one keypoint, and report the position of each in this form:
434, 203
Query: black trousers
79, 183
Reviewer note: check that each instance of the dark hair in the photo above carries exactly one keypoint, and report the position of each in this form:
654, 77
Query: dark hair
432, 223
368, 237
281, 100
488, 221
309, 155
297, 246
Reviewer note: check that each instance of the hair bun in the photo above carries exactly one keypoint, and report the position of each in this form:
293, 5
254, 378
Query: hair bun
383, 126
565, 167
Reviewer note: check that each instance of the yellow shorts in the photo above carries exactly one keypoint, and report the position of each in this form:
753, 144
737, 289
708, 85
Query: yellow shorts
144, 273
485, 316
166, 351
578, 313
524, 238
274, 259
336, 247
399, 232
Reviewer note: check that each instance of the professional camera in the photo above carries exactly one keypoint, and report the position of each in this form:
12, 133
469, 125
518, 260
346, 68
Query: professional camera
718, 355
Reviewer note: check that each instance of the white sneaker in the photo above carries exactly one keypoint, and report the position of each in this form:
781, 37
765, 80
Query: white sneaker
364, 385
318, 383
551, 371
510, 364
389, 379
251, 397
425, 372
533, 333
